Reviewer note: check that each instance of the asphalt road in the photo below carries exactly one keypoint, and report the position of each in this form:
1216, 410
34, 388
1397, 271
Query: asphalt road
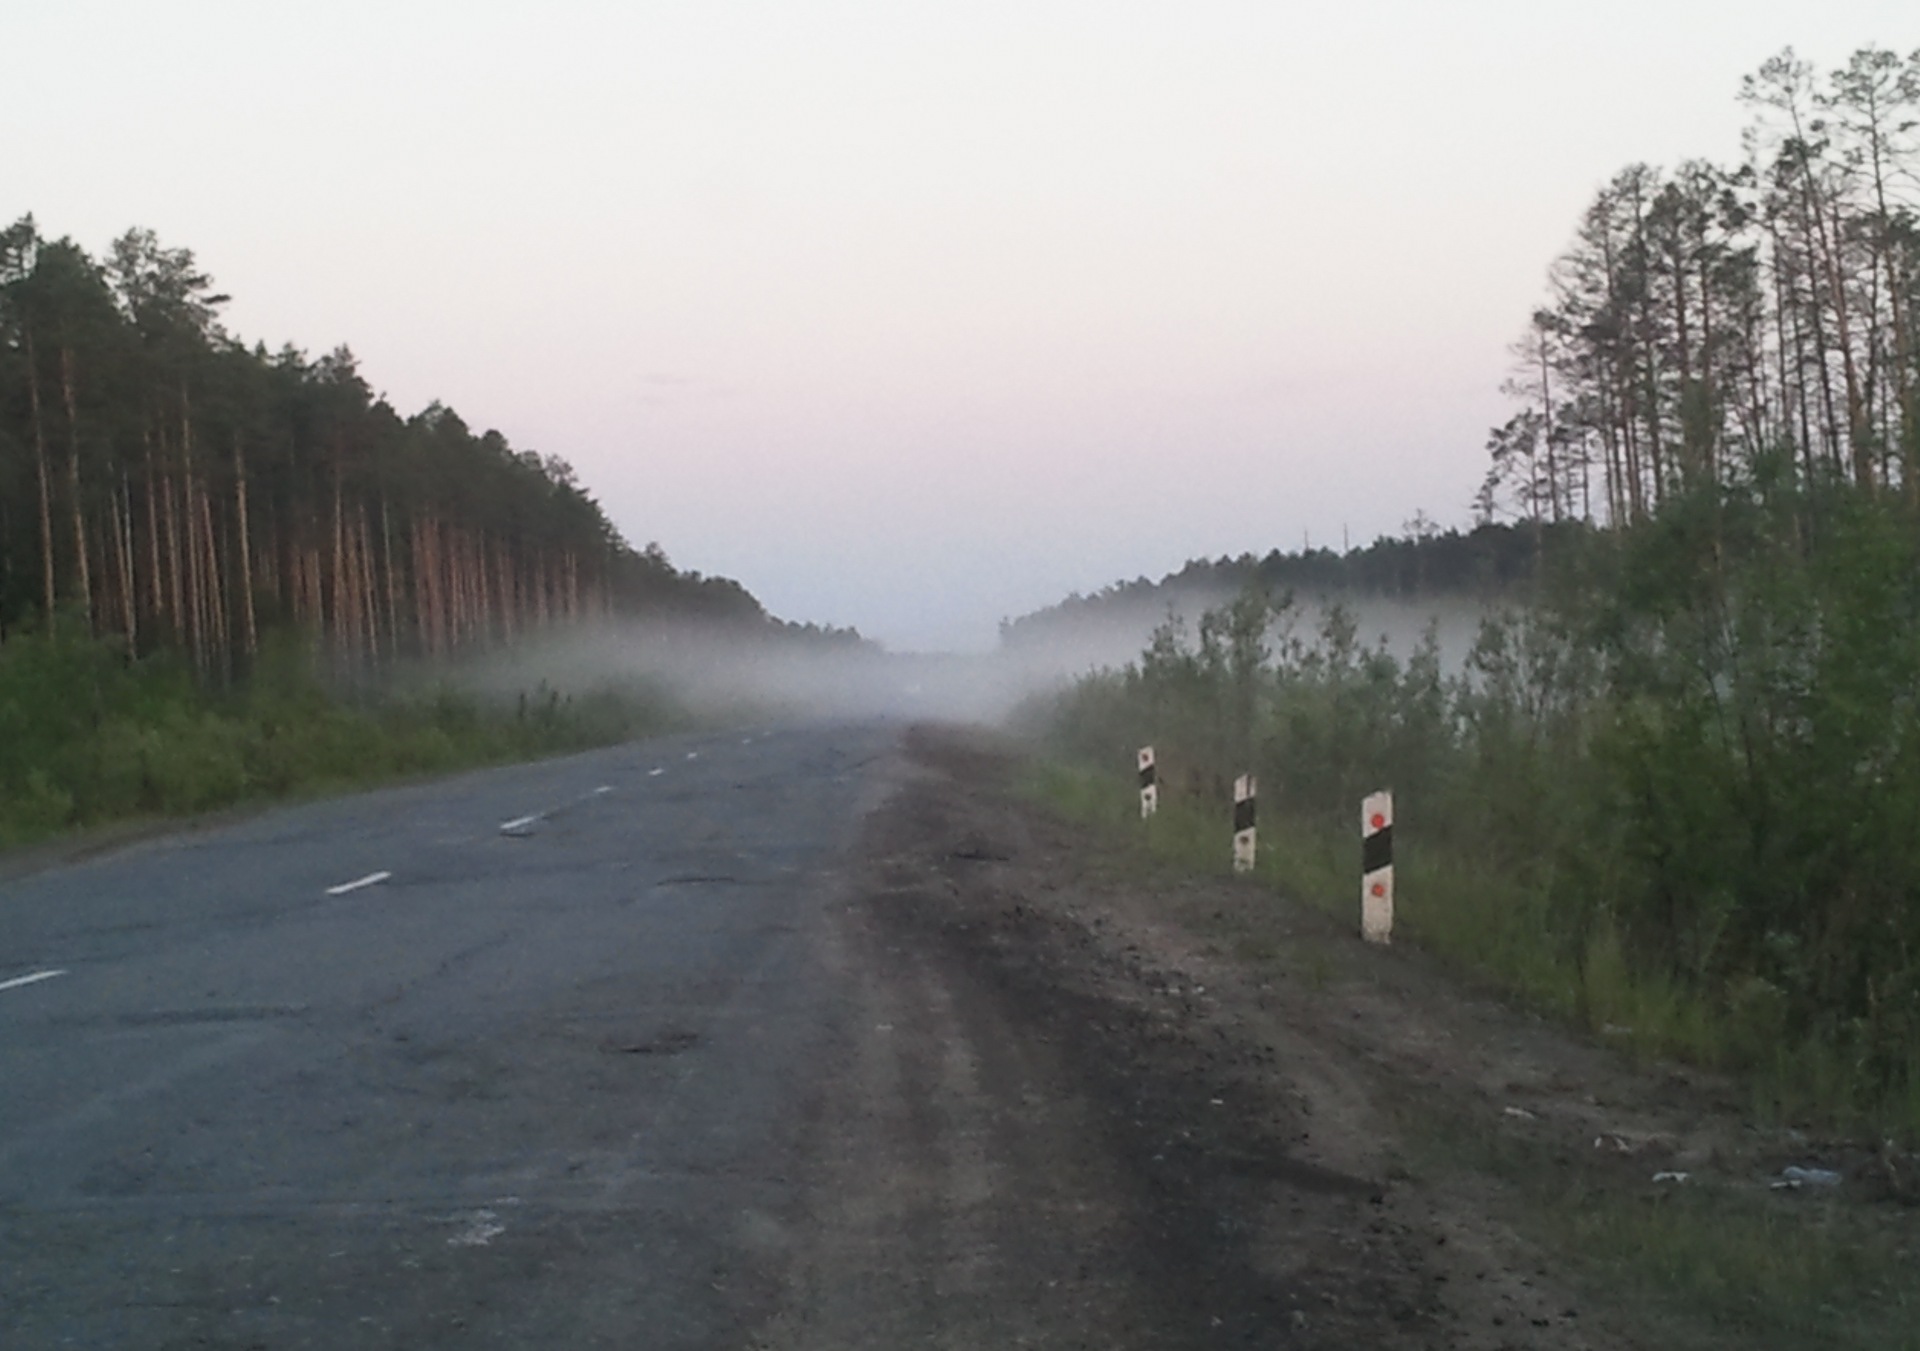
537, 1086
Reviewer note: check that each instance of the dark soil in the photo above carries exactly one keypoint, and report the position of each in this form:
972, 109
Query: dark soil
1063, 1114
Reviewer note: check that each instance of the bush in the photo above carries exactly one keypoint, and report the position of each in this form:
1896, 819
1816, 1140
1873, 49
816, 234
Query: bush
1677, 795
90, 734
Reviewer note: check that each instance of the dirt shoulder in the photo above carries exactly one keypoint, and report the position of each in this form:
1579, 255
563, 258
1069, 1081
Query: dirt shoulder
1084, 1101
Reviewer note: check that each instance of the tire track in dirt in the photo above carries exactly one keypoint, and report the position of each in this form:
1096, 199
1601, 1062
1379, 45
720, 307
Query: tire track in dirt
945, 1211
1036, 1132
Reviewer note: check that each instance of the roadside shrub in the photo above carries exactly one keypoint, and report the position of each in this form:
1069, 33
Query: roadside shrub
33, 808
1676, 797
90, 734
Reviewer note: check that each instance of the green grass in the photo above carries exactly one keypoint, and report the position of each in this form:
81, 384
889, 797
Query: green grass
1493, 925
89, 737
1780, 1279
1737, 1264
1777, 1271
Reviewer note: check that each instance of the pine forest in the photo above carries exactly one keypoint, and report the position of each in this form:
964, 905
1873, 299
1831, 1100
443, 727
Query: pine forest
1708, 319
165, 485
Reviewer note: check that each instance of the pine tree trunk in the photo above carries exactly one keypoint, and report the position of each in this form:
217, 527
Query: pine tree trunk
1860, 452
503, 585
1823, 365
369, 589
120, 523
271, 561
462, 588
317, 624
337, 630
176, 595
421, 641
213, 592
83, 574
470, 631
446, 577
46, 496
249, 635
1907, 423
1810, 448
482, 593
423, 586
129, 571
155, 575
430, 600
1546, 415
393, 585
349, 600
195, 582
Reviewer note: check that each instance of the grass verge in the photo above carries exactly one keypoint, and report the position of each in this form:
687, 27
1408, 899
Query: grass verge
1736, 1264
88, 737
1724, 1259
1492, 925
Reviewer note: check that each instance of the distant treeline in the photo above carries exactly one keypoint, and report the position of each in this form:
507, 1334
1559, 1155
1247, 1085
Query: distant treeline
163, 484
1489, 562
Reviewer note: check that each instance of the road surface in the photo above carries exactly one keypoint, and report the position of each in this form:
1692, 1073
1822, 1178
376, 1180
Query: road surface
532, 1086
814, 1039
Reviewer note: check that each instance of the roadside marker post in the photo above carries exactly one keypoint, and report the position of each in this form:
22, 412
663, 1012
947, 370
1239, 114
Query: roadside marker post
1376, 868
1245, 790
1149, 784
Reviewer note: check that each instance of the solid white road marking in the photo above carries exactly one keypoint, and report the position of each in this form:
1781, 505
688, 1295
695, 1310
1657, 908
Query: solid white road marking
34, 979
369, 880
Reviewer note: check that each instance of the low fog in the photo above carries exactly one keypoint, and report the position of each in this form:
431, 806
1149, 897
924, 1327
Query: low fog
771, 675
1111, 632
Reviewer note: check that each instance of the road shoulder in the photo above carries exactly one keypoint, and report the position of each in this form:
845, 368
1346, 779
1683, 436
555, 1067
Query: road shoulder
1062, 1113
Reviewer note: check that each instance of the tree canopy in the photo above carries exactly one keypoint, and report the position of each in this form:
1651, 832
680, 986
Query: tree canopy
1711, 319
164, 483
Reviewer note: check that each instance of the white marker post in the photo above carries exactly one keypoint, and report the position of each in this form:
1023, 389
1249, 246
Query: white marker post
1376, 868
1149, 784
1245, 842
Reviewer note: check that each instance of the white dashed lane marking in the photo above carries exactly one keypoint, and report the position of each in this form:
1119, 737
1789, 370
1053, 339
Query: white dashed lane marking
371, 879
520, 823
33, 979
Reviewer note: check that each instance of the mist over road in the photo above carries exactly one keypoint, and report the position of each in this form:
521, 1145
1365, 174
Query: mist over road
377, 1072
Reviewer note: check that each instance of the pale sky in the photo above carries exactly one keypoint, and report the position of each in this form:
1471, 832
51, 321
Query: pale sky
907, 315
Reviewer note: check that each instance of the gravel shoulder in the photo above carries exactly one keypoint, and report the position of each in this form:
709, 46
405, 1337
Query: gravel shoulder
1075, 1100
